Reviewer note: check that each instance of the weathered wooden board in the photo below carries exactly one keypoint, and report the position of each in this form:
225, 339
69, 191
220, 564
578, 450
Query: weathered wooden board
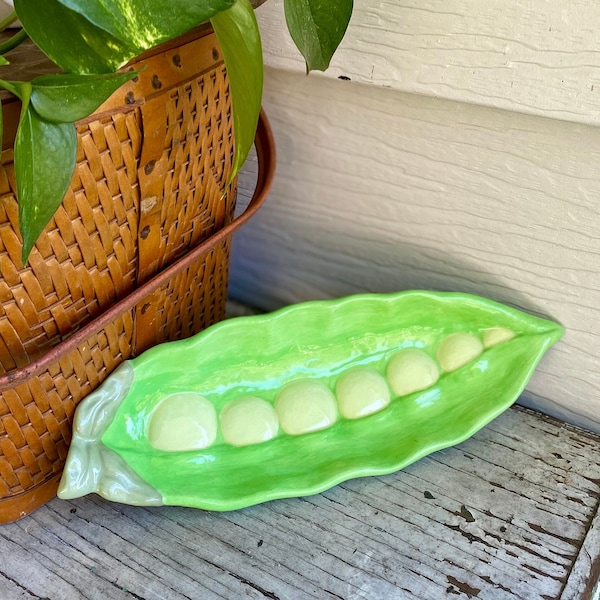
502, 516
584, 581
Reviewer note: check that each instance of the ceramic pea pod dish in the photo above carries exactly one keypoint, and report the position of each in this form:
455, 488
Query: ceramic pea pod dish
296, 401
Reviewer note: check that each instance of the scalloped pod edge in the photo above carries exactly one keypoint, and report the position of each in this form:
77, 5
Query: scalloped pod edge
482, 354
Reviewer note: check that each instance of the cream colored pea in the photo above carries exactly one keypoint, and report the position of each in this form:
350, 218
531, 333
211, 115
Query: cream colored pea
304, 406
457, 350
360, 392
411, 370
248, 420
182, 422
497, 335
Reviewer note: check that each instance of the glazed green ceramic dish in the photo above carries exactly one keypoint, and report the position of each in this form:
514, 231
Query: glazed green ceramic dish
296, 401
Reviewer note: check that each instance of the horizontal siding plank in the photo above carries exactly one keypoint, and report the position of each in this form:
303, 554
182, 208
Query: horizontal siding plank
382, 191
534, 56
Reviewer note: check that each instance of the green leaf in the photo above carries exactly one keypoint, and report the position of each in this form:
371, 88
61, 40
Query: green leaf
147, 22
45, 156
3, 61
68, 98
98, 36
70, 40
317, 28
20, 89
239, 38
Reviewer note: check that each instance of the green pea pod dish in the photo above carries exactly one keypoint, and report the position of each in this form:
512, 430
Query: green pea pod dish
294, 402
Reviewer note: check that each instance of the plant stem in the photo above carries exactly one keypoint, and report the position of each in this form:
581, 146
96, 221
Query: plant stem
8, 20
13, 42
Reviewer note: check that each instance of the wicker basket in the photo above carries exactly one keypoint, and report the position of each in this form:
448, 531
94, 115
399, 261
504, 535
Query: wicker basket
137, 254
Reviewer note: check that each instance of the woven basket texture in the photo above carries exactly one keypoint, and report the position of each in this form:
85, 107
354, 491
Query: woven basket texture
150, 183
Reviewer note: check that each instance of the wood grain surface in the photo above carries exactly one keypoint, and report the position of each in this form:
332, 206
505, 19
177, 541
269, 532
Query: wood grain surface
508, 514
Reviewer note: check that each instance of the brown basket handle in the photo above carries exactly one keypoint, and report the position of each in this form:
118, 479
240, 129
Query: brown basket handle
265, 151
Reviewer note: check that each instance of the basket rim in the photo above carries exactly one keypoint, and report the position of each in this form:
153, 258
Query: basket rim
266, 154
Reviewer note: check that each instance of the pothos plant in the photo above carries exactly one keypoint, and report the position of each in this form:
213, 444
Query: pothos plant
92, 40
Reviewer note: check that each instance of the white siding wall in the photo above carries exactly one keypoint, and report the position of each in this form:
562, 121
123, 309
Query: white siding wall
463, 155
